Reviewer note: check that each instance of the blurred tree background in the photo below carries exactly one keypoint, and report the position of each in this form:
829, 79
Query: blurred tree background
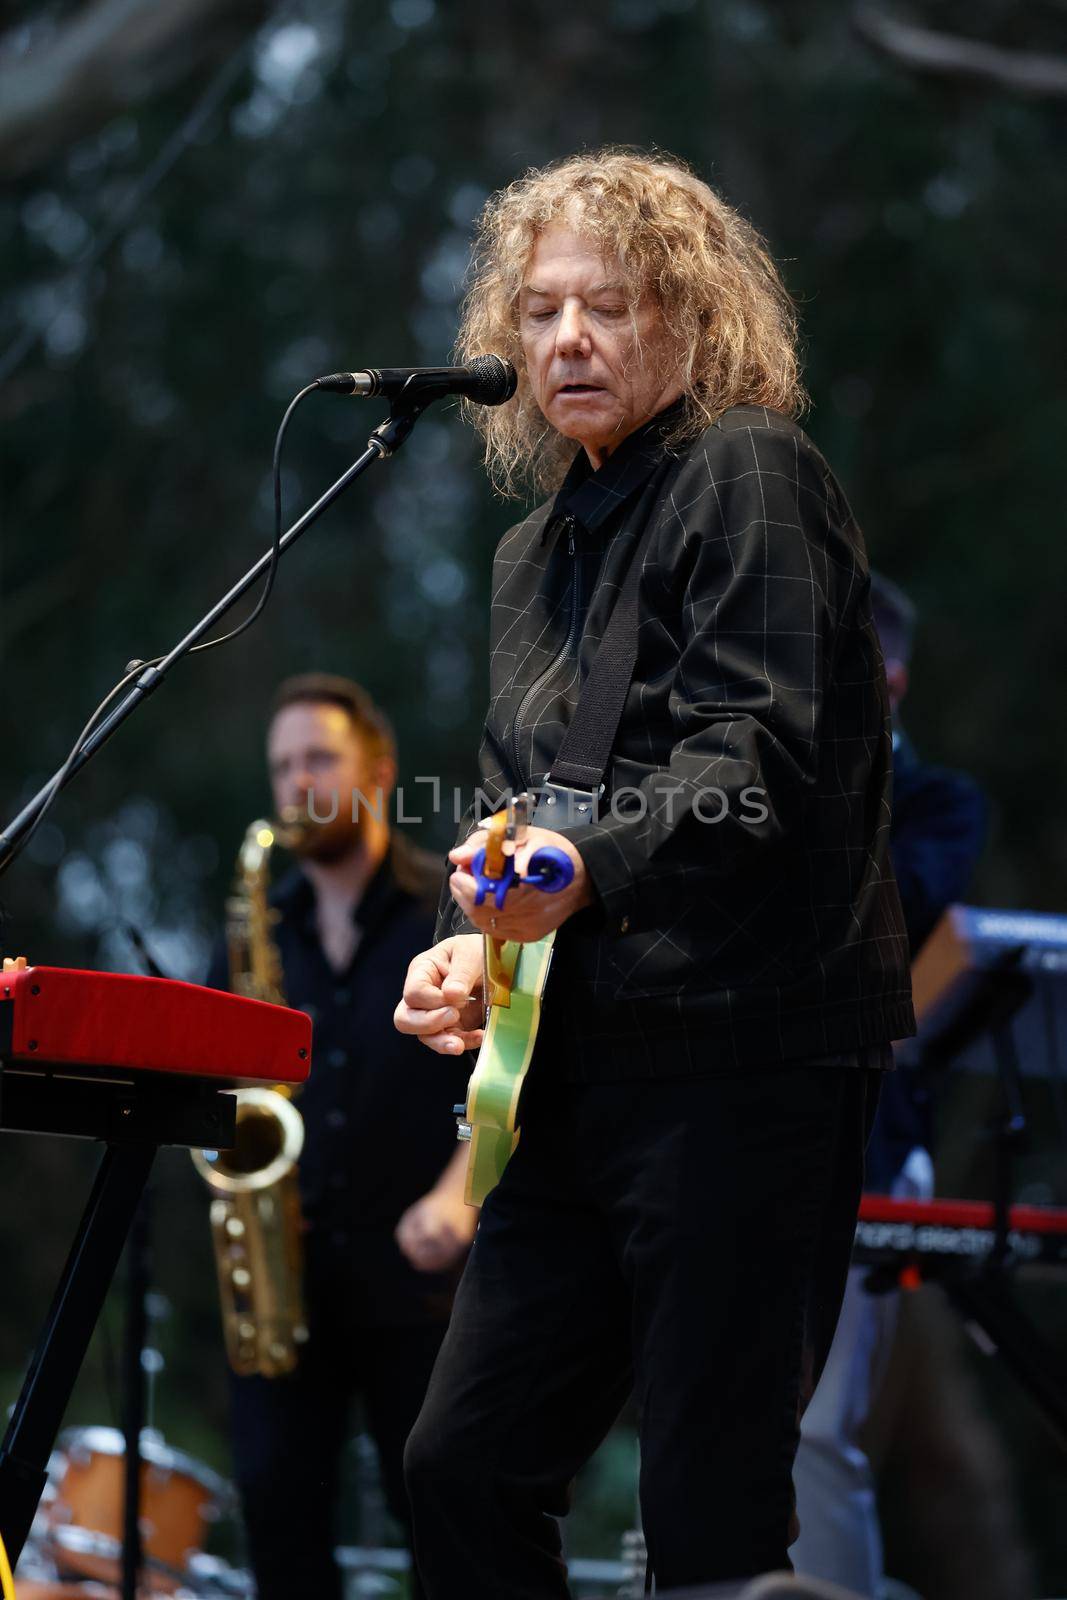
207, 202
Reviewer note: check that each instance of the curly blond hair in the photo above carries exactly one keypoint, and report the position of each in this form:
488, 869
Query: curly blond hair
724, 307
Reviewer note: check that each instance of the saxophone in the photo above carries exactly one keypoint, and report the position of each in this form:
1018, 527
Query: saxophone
255, 1212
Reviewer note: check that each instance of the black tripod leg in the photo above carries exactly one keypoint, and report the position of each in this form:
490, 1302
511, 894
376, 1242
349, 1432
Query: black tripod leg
133, 1386
61, 1349
1036, 1364
138, 1255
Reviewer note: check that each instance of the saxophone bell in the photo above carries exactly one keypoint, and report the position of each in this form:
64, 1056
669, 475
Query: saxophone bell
269, 1141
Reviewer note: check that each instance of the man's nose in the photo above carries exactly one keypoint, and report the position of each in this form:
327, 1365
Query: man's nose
572, 333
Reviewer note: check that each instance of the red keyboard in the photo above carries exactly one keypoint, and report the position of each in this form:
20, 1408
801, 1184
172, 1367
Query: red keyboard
930, 1231
89, 1022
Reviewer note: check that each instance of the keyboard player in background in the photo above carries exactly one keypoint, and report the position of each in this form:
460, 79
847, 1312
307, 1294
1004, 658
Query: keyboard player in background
938, 828
381, 1175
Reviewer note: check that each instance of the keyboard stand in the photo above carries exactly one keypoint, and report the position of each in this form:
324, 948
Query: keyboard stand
982, 1299
134, 1116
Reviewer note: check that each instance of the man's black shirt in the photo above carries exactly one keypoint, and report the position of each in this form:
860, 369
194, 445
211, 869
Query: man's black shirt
939, 826
377, 1107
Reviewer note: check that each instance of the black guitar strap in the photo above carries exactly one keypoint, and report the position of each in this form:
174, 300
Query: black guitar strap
586, 749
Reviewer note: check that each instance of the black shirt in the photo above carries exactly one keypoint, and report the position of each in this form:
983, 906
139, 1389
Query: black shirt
939, 827
378, 1106
723, 943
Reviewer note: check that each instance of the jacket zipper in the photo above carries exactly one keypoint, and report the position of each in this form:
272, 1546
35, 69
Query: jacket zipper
566, 649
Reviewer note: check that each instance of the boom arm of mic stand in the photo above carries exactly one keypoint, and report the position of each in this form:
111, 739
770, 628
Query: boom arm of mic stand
383, 442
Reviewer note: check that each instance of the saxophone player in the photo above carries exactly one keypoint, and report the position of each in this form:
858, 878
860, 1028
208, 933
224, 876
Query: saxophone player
385, 1229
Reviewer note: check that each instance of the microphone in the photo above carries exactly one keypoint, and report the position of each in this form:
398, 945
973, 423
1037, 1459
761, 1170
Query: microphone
487, 380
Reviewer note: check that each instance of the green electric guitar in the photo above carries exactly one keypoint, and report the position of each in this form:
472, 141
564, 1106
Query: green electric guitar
515, 976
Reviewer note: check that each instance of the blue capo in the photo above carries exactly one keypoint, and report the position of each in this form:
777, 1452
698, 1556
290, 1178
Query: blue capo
550, 869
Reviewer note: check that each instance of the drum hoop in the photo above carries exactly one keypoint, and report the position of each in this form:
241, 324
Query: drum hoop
75, 1540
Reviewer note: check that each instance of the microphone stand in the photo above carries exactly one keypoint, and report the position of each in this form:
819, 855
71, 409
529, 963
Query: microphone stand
138, 1270
383, 442
40, 1408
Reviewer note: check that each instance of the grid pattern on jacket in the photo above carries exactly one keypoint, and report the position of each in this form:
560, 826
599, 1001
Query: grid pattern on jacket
746, 910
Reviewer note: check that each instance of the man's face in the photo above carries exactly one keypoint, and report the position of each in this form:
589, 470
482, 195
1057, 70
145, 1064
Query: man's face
599, 364
314, 751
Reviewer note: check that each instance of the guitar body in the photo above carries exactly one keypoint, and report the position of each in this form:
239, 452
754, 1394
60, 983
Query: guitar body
516, 975
515, 978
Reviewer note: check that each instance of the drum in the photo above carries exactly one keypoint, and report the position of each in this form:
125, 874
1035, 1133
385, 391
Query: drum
179, 1497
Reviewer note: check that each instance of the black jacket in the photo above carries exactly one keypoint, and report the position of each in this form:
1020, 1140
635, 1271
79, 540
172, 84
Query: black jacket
758, 696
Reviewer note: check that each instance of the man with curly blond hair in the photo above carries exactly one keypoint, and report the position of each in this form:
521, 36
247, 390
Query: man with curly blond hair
730, 961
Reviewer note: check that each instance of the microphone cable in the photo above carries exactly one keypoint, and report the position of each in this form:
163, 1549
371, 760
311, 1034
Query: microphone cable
135, 668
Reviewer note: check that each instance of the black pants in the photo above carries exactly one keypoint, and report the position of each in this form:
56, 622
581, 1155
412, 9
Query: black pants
289, 1436
689, 1239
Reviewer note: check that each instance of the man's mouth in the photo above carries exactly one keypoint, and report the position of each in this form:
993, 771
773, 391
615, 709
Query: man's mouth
579, 388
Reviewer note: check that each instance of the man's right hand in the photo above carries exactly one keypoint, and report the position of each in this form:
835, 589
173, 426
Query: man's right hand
442, 1004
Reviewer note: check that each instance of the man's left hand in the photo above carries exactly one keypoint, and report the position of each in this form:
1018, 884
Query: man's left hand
528, 913
436, 1231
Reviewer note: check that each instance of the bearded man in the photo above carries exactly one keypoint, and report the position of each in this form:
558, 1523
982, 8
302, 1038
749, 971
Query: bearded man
730, 963
381, 1178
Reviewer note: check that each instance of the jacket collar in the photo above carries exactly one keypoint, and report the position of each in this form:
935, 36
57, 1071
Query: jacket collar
591, 497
